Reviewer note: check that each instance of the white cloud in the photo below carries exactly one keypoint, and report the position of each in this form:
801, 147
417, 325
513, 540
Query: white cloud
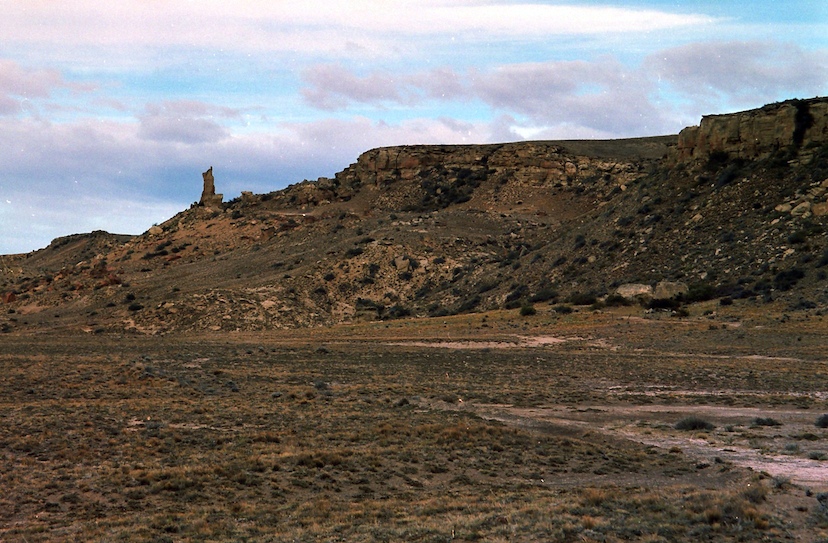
601, 96
184, 121
746, 72
106, 29
19, 84
333, 87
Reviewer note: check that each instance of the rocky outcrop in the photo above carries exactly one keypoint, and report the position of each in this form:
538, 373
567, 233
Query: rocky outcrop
757, 133
633, 291
668, 290
209, 198
664, 290
534, 163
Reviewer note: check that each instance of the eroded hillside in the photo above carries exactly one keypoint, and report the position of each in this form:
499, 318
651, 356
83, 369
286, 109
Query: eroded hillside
437, 230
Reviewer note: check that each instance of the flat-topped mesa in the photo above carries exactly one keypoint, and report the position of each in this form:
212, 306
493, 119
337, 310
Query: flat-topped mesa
757, 133
530, 162
209, 198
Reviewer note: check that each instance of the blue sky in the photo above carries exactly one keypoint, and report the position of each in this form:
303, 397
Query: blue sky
109, 111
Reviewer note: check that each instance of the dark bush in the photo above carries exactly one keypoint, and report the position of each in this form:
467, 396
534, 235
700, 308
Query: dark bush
397, 312
486, 286
798, 237
582, 298
562, 309
544, 295
822, 421
519, 292
527, 310
787, 279
766, 421
616, 300
693, 423
353, 251
469, 304
699, 292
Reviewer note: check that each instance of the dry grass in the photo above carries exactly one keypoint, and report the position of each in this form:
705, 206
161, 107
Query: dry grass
176, 440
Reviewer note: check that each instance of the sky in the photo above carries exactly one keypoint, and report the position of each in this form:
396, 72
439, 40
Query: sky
110, 111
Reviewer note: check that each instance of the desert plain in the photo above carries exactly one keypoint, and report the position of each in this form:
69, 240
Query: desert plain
491, 426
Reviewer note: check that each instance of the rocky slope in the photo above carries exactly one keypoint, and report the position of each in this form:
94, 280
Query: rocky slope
735, 209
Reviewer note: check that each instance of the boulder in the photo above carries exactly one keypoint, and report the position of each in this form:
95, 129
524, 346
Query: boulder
634, 290
402, 263
801, 209
666, 290
820, 209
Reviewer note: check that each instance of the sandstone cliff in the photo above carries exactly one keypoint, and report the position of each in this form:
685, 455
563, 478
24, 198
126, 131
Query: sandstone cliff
432, 177
757, 133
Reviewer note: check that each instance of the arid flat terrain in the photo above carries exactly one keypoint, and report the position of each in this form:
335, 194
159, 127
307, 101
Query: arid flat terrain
493, 426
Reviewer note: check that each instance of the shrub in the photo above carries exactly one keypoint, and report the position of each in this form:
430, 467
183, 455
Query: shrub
562, 309
616, 300
699, 292
797, 237
469, 304
766, 421
397, 312
822, 421
544, 295
582, 298
693, 423
527, 310
353, 251
517, 293
787, 279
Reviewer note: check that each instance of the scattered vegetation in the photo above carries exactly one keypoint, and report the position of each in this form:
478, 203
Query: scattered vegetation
694, 423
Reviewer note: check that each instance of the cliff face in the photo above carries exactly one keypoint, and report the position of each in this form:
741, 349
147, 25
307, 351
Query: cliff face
759, 132
537, 163
431, 177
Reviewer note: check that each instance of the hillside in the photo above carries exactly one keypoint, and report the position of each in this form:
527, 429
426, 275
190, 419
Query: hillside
733, 209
